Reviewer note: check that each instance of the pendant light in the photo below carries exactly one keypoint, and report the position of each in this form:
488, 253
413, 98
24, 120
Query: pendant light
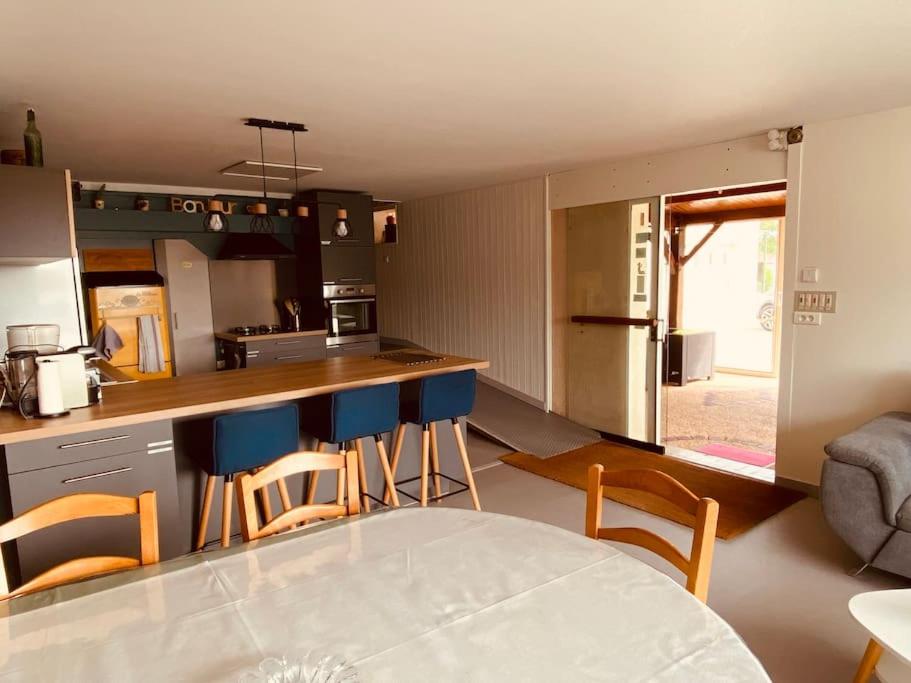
215, 219
261, 222
300, 210
340, 228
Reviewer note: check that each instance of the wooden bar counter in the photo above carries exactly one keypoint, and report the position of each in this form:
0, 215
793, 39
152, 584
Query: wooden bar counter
214, 392
144, 436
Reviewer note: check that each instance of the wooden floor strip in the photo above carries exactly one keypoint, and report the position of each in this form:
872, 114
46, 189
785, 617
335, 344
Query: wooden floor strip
744, 502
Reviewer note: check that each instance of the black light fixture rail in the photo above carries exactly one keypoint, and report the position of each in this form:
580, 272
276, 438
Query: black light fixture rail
276, 125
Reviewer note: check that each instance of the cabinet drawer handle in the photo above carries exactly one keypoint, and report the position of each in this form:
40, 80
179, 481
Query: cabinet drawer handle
93, 442
288, 343
154, 444
299, 355
119, 470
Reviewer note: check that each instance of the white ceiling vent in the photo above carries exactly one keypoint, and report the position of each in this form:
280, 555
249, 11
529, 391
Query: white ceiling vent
271, 171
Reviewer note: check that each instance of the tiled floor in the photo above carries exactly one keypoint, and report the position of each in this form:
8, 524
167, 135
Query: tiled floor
783, 585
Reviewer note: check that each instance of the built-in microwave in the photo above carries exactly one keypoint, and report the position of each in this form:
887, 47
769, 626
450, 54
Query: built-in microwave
350, 313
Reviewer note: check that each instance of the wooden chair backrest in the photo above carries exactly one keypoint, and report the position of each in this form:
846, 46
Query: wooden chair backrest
81, 506
698, 566
294, 463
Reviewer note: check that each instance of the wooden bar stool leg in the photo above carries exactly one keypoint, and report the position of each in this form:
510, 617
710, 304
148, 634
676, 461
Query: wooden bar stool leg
869, 662
313, 479
283, 494
425, 456
340, 484
226, 503
387, 471
206, 509
463, 452
396, 453
362, 473
264, 501
435, 461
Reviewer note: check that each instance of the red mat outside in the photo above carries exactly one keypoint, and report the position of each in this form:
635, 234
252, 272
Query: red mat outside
738, 454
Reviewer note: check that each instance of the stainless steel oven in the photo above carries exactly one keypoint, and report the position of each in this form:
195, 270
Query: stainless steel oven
350, 313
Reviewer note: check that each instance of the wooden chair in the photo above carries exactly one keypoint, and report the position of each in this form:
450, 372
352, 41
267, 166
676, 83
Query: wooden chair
304, 461
81, 506
698, 567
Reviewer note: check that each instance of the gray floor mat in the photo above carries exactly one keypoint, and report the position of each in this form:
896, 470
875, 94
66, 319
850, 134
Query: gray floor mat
524, 427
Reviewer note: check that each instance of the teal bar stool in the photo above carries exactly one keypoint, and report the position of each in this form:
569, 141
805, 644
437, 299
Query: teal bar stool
245, 442
345, 418
425, 402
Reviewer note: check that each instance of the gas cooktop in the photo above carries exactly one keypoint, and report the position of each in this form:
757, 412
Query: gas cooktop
250, 330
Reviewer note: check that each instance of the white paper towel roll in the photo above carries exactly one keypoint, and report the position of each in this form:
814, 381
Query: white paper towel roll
50, 388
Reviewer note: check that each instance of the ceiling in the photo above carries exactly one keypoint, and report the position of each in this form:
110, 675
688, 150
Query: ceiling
406, 98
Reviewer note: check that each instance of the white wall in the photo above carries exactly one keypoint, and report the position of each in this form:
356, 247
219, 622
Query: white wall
44, 293
724, 164
855, 225
467, 277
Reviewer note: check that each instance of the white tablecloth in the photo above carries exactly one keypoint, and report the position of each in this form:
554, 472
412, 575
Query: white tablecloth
409, 595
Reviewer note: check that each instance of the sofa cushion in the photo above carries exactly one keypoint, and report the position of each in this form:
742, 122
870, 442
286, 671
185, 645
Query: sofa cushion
882, 446
903, 516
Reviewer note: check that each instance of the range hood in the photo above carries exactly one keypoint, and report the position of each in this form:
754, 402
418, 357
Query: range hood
253, 245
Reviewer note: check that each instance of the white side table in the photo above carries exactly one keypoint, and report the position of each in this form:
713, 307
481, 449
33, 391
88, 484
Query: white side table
887, 616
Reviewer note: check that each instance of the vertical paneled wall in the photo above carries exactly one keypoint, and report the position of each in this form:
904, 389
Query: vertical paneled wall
467, 277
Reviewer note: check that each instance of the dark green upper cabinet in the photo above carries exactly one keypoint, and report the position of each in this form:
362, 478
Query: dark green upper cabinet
36, 216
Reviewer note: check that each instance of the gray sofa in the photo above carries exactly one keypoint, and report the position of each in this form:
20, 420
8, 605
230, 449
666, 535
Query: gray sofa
866, 491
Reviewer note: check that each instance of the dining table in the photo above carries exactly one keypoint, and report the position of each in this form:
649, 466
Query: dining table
411, 594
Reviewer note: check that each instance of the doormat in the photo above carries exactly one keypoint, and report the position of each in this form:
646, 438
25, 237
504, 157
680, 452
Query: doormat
743, 502
723, 450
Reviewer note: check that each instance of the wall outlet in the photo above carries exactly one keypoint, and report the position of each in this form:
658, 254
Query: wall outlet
805, 318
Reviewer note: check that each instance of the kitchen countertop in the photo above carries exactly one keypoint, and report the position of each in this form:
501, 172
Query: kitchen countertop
230, 336
212, 392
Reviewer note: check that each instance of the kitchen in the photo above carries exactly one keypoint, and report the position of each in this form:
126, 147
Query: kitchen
142, 314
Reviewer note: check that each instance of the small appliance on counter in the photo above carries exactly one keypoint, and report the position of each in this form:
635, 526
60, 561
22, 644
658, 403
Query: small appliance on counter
39, 338
42, 380
19, 375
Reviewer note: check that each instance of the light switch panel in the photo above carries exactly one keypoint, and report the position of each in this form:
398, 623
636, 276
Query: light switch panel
814, 302
809, 274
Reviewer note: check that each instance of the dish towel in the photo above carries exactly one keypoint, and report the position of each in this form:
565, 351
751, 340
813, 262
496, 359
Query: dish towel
151, 352
107, 342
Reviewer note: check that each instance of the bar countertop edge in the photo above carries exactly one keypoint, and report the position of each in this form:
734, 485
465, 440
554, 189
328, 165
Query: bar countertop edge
212, 392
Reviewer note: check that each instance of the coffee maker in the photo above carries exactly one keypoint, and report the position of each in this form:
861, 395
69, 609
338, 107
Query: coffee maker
41, 380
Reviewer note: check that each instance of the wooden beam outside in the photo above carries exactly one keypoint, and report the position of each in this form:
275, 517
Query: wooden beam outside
730, 192
684, 219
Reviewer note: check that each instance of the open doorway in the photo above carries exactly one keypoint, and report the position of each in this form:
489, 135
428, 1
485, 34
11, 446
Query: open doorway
720, 383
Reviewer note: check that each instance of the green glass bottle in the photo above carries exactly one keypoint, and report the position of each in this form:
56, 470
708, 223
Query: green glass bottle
34, 151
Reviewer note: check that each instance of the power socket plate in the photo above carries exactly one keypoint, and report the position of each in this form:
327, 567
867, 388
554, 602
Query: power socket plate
807, 318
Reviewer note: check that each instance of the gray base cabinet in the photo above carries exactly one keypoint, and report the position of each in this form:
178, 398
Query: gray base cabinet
356, 349
123, 461
278, 351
